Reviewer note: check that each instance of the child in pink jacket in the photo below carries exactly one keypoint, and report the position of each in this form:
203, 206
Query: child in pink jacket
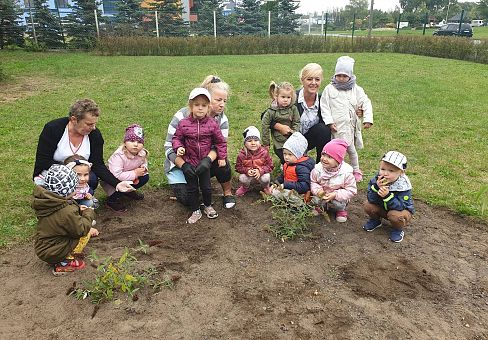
129, 163
332, 180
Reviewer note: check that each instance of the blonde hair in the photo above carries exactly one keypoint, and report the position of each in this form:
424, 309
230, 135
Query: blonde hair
191, 101
274, 90
311, 70
212, 83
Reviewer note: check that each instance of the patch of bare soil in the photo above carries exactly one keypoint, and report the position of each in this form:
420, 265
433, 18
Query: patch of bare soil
23, 87
239, 282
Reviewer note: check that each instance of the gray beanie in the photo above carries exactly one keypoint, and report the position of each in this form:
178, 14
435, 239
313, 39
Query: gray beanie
296, 144
345, 65
61, 180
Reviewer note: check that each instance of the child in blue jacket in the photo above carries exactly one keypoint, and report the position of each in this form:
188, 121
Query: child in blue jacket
390, 196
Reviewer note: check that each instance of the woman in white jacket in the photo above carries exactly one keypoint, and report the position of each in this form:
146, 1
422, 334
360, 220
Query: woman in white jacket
344, 104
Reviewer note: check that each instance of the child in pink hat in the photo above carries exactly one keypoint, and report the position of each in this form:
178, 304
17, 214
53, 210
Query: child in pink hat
332, 181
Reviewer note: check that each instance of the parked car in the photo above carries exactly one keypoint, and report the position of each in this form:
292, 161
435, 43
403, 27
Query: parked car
477, 22
452, 29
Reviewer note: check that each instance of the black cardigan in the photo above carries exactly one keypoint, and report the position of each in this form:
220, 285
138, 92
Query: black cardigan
300, 107
48, 142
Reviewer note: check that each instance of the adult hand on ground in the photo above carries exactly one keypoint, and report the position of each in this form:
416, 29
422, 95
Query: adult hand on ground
203, 166
188, 170
124, 186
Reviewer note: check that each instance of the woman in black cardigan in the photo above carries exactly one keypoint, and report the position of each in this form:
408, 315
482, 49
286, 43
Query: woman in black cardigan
77, 134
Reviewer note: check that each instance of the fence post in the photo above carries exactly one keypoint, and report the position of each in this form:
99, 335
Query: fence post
157, 23
370, 19
96, 24
425, 22
326, 22
32, 23
460, 22
353, 27
269, 24
398, 24
309, 22
215, 24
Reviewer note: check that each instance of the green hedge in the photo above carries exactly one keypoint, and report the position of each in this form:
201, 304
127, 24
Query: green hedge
443, 47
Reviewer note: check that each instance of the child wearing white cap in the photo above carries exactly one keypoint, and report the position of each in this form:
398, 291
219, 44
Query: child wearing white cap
193, 139
343, 105
390, 196
253, 163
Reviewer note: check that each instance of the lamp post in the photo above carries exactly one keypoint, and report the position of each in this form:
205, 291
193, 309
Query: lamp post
447, 14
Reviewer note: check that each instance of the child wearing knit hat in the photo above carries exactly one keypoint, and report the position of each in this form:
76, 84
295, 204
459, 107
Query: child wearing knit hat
63, 227
332, 180
390, 196
344, 104
297, 167
253, 163
129, 163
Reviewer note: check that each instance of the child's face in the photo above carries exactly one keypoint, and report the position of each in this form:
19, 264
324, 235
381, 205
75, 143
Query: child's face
289, 157
284, 98
389, 172
342, 78
134, 147
83, 172
328, 162
252, 144
200, 107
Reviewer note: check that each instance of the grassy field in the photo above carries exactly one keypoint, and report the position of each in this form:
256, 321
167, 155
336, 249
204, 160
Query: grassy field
433, 110
478, 32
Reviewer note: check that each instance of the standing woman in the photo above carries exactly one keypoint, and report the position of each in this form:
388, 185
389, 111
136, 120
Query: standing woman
308, 105
78, 134
175, 167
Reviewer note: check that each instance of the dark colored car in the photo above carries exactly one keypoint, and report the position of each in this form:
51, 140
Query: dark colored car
452, 29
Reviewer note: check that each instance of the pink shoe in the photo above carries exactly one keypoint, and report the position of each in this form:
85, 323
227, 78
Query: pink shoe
241, 191
358, 175
341, 216
267, 190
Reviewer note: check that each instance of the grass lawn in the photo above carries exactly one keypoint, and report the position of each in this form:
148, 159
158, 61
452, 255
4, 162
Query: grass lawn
433, 110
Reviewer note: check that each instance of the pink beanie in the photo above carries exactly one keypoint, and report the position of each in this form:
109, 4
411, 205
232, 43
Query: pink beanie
134, 133
336, 149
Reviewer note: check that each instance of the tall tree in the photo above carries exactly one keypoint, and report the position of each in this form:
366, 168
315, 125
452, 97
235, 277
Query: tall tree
287, 21
250, 18
170, 17
11, 33
128, 18
81, 26
205, 23
483, 9
48, 27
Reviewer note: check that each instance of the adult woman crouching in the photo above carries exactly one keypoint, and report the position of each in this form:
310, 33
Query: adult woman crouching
308, 105
78, 134
175, 167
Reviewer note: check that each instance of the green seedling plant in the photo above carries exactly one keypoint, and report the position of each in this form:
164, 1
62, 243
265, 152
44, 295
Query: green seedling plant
482, 198
143, 247
116, 277
291, 213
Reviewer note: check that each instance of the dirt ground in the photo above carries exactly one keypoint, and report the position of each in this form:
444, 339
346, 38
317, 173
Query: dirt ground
239, 282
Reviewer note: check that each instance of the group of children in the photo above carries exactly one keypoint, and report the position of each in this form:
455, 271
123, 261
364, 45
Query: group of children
64, 202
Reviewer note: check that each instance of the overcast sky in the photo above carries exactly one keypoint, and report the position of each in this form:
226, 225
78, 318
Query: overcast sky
310, 6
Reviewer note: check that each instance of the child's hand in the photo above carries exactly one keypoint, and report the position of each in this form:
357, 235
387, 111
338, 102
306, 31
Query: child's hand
384, 191
330, 196
180, 151
83, 207
88, 196
250, 172
367, 125
221, 163
93, 232
140, 171
320, 194
333, 127
257, 174
359, 112
381, 181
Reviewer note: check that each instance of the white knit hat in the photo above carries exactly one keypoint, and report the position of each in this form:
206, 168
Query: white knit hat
296, 144
344, 65
61, 180
396, 158
251, 132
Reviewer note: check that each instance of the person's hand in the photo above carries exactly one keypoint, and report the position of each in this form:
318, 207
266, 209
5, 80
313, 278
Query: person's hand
88, 196
330, 196
257, 174
189, 170
367, 125
203, 166
83, 207
381, 181
333, 127
125, 186
180, 151
93, 232
140, 171
250, 172
359, 112
282, 129
221, 163
384, 191
321, 194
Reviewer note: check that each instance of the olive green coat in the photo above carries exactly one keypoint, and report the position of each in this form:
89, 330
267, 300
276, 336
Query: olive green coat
60, 225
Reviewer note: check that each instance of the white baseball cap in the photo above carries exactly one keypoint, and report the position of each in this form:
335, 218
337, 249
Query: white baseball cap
199, 91
396, 158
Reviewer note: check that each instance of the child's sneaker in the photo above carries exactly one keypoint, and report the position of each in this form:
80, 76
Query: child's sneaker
210, 212
267, 190
341, 216
358, 175
195, 216
96, 203
372, 224
241, 191
68, 266
396, 235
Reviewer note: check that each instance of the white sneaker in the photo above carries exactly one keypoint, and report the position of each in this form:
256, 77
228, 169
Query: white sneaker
195, 216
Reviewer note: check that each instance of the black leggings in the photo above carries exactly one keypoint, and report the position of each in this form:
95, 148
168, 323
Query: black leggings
202, 181
317, 137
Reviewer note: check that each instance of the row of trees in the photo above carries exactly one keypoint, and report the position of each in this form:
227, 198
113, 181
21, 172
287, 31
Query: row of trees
135, 17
